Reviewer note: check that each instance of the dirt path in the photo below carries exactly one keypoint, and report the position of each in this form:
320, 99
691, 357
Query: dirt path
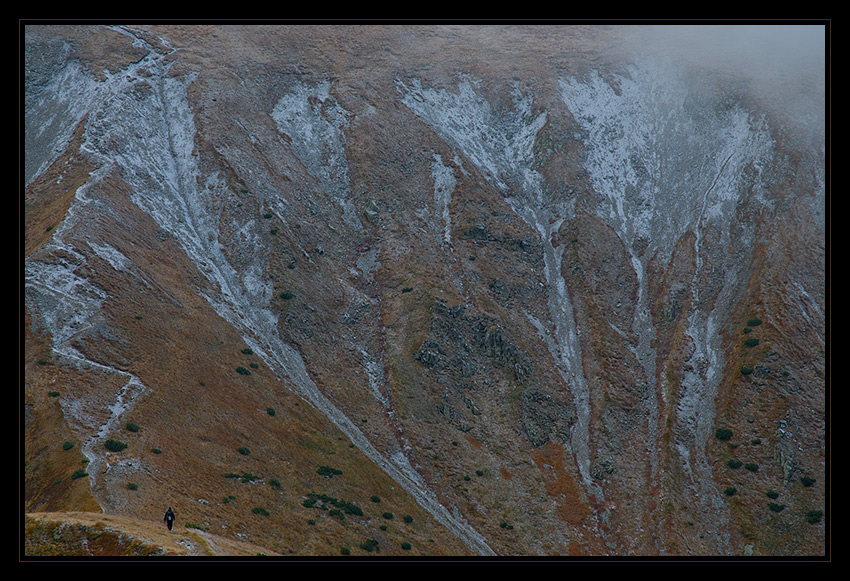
179, 541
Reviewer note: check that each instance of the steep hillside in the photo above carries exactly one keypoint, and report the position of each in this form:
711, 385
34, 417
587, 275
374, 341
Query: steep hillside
427, 290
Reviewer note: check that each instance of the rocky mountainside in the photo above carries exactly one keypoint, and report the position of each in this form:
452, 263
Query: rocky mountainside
430, 290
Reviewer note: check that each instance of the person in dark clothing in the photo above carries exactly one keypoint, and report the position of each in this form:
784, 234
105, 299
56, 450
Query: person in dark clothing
169, 518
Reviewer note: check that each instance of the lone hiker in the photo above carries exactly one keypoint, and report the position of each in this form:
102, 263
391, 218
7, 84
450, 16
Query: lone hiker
169, 518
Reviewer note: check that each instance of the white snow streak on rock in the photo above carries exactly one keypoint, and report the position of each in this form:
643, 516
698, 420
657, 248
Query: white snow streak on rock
150, 136
444, 185
502, 148
315, 123
666, 166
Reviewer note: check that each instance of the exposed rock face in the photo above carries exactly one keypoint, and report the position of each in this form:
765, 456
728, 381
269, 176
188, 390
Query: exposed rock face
511, 280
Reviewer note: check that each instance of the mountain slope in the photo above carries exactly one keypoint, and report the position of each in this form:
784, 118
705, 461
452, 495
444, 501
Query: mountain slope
502, 281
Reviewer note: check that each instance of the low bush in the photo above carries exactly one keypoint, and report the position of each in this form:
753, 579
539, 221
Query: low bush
370, 545
114, 445
723, 434
328, 471
776, 507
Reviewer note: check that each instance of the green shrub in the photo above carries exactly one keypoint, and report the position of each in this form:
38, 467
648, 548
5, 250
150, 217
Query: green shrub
79, 474
242, 371
114, 445
247, 351
387, 515
751, 341
754, 322
67, 445
746, 370
730, 491
775, 507
328, 471
807, 481
274, 483
408, 518
344, 551
132, 486
260, 510
405, 545
370, 545
733, 463
376, 498
723, 434
53, 393
751, 466
132, 427
772, 494
156, 450
286, 295
814, 516
270, 411
244, 451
